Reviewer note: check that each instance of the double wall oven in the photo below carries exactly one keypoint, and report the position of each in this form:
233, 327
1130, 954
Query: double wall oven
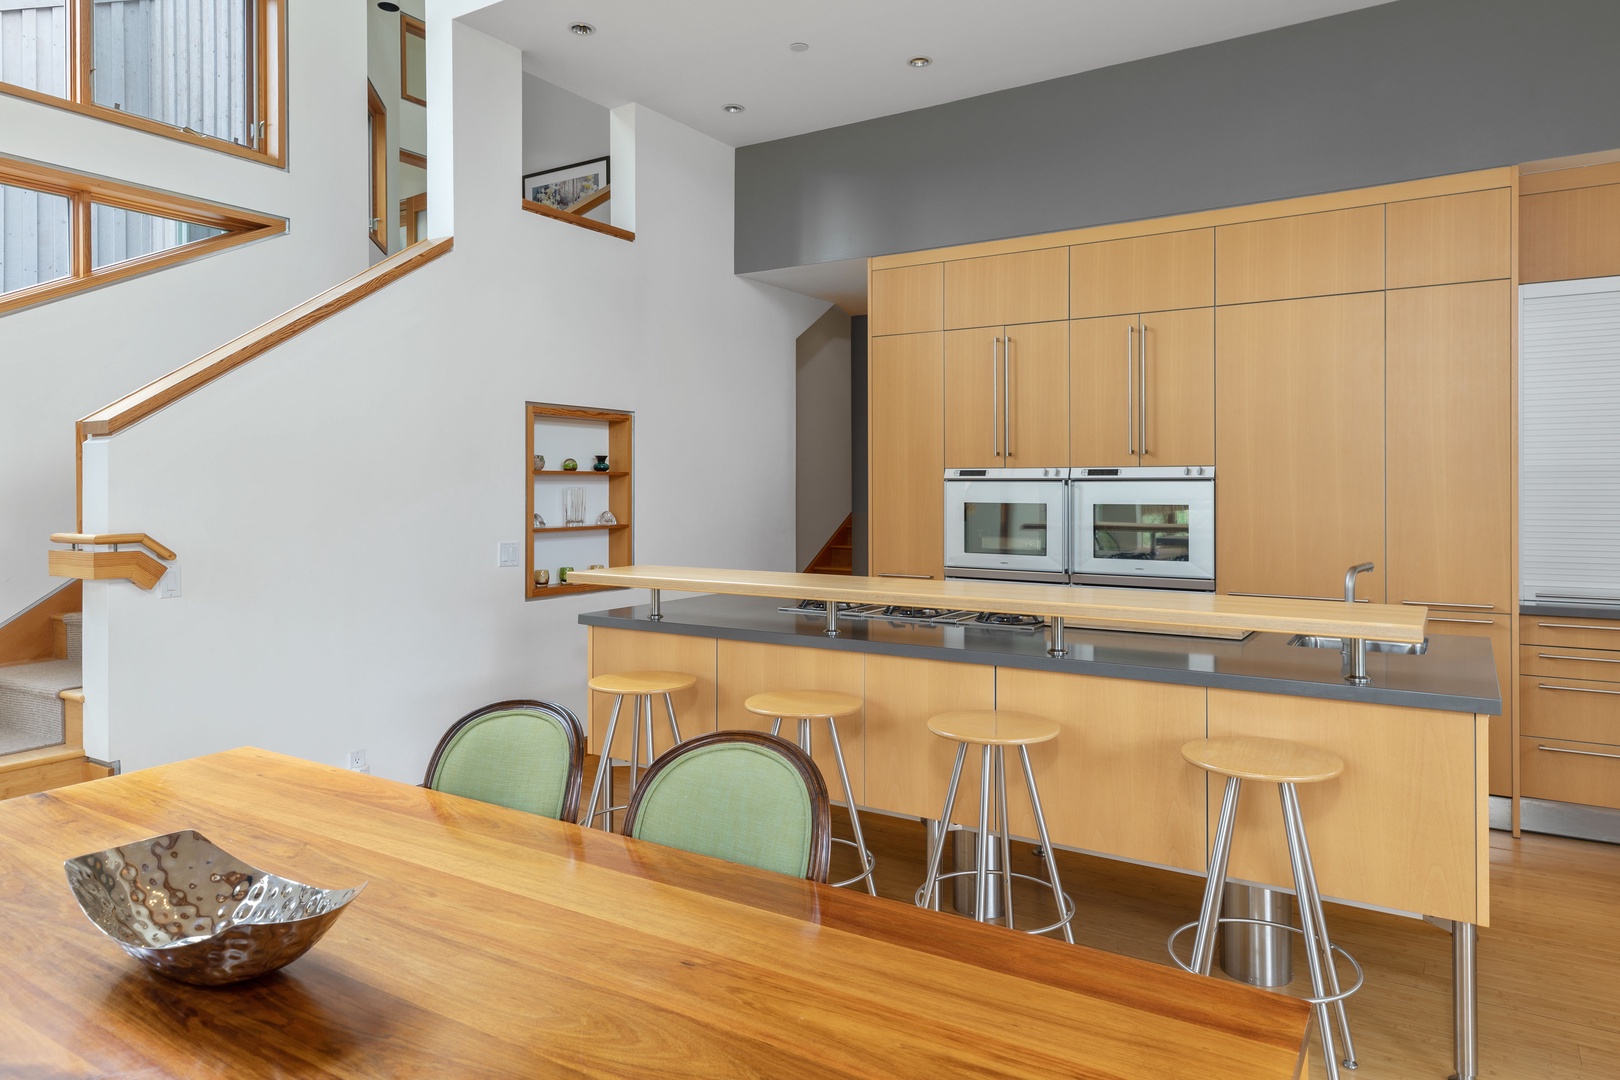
1141, 527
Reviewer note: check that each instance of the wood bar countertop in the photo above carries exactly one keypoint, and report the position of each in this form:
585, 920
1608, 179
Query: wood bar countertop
491, 942
1147, 610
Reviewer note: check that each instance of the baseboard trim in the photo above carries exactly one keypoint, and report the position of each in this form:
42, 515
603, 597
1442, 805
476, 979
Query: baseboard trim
1574, 820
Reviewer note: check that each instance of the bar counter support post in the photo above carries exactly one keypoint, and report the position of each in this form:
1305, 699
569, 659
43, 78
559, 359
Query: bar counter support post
832, 619
1465, 999
1057, 647
657, 613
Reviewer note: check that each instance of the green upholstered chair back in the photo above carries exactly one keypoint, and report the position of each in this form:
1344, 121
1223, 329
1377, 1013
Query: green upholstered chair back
528, 755
742, 796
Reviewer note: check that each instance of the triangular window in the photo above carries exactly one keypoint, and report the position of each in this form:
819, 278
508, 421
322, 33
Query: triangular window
118, 235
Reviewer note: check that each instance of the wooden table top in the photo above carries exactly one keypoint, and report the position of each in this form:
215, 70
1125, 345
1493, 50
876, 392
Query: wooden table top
1147, 610
495, 943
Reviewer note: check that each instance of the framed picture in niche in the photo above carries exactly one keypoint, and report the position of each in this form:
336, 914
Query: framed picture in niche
566, 186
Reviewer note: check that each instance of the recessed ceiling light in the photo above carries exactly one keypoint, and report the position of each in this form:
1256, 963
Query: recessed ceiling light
799, 46
920, 61
582, 29
733, 108
386, 6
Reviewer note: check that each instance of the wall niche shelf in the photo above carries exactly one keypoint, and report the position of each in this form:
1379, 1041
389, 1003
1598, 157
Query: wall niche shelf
580, 432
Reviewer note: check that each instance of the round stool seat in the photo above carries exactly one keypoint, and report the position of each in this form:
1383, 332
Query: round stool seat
1271, 761
802, 703
642, 682
993, 727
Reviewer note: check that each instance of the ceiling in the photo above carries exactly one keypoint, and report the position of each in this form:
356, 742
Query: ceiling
687, 58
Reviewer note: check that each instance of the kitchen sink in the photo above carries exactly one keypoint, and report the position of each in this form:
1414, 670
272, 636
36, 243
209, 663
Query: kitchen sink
1408, 648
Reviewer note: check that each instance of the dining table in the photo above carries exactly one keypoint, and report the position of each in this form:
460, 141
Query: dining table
492, 942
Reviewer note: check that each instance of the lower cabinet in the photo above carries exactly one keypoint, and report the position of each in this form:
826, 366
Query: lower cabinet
1569, 710
910, 766
1573, 772
1498, 629
630, 650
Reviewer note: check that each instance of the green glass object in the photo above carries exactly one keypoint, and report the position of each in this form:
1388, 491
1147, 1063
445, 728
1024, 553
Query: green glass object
569, 464
601, 463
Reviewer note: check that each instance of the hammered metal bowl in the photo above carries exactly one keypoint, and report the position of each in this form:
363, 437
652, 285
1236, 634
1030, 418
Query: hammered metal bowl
197, 913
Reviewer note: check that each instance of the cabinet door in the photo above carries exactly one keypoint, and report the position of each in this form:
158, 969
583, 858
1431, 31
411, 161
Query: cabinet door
911, 766
611, 651
996, 290
906, 447
973, 406
1497, 629
1035, 432
908, 299
1142, 273
1467, 237
1101, 404
1450, 446
1177, 372
1299, 431
1338, 251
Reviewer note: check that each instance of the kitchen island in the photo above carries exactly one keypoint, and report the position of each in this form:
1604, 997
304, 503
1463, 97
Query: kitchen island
1405, 828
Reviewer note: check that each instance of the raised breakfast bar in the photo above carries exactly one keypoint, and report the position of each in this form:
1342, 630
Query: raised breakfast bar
1129, 676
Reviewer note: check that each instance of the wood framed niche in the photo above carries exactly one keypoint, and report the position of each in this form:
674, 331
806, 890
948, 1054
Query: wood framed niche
557, 433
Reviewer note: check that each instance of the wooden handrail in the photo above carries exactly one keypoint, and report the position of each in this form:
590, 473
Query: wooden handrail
575, 219
134, 566
592, 201
142, 539
133, 408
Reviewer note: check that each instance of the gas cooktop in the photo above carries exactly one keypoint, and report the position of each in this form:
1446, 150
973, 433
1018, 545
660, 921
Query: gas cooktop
902, 613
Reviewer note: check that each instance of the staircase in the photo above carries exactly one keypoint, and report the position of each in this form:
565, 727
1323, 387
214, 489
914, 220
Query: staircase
42, 717
836, 554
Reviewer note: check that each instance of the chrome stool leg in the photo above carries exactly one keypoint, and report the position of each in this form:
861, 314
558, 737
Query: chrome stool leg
604, 770
868, 862
1006, 837
928, 895
1046, 848
674, 728
981, 873
1295, 831
1291, 794
1203, 956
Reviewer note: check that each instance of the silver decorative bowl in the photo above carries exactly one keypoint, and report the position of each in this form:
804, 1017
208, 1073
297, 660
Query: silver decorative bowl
195, 912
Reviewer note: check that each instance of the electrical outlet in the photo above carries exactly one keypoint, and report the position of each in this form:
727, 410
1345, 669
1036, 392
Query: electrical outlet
169, 584
357, 761
506, 553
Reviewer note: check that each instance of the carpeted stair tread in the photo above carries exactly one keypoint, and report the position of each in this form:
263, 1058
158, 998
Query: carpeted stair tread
30, 710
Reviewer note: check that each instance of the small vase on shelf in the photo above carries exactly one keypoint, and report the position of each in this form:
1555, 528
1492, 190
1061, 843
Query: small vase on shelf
601, 463
539, 462
569, 464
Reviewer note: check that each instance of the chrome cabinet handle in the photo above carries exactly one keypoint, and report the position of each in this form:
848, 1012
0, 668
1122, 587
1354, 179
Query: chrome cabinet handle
1141, 375
1130, 411
1577, 753
919, 577
1574, 626
1471, 622
1446, 603
1006, 396
1583, 659
1578, 689
995, 441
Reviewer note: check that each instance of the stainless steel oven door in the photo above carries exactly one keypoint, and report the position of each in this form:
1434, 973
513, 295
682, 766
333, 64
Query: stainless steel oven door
1155, 532
1007, 524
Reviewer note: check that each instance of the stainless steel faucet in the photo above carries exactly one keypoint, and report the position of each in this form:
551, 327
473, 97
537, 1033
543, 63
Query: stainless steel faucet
1355, 649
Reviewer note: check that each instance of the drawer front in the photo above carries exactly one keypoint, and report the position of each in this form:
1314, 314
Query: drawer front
1572, 632
1567, 663
1570, 772
1569, 709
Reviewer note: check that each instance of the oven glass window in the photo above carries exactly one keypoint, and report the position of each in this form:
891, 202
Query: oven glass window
1004, 528
1140, 532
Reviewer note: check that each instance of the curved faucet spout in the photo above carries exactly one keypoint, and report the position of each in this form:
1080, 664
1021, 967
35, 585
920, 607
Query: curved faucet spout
1350, 580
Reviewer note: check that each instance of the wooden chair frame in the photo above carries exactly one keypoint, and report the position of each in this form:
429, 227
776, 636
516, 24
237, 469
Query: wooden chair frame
820, 804
571, 727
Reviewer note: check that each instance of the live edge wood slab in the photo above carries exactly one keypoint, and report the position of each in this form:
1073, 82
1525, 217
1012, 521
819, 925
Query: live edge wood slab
1116, 609
496, 943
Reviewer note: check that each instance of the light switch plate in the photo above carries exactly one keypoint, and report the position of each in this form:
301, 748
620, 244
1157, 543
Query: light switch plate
506, 553
169, 584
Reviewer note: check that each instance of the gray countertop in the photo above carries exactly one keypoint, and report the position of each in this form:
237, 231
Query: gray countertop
1456, 674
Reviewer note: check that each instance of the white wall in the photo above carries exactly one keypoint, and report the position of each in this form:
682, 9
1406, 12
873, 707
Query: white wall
824, 443
338, 538
63, 360
560, 127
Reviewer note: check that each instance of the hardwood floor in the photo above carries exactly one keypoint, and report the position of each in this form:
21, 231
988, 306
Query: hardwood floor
1549, 965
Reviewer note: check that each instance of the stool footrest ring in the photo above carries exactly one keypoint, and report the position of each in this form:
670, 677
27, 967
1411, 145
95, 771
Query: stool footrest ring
1329, 1000
868, 860
1066, 913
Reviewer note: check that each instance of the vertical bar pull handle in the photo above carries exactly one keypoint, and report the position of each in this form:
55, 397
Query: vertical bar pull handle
995, 442
1006, 397
1130, 411
1141, 373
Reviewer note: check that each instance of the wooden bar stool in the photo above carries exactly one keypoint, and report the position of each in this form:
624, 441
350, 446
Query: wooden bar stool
1286, 764
641, 686
805, 706
992, 731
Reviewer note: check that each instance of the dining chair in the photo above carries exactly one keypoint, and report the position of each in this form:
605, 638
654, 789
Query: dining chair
527, 755
743, 796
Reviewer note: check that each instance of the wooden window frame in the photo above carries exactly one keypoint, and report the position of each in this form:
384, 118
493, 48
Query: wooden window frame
241, 227
377, 112
408, 28
269, 44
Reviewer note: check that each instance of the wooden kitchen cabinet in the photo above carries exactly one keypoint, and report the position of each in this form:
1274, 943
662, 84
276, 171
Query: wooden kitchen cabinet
1498, 630
909, 767
609, 651
1004, 290
907, 300
1450, 446
1161, 272
906, 454
1299, 404
1337, 251
1006, 397
1569, 697
1450, 238
1164, 412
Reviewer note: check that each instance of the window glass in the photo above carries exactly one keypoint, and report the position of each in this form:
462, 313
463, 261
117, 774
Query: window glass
33, 45
117, 235
186, 64
34, 238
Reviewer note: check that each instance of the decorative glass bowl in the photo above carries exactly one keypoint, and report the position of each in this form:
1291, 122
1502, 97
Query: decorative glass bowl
195, 912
